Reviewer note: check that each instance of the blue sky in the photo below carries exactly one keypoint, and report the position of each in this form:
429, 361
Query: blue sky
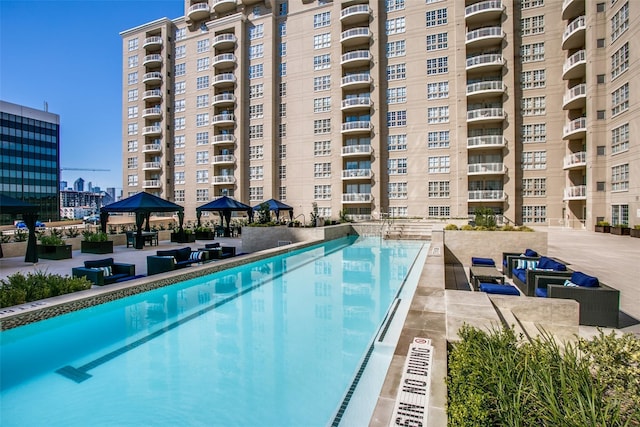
69, 54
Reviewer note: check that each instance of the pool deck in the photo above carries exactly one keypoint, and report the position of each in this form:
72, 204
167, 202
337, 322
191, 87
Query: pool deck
436, 313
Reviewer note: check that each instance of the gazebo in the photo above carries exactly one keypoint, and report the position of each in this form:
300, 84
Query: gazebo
142, 204
276, 206
11, 206
224, 206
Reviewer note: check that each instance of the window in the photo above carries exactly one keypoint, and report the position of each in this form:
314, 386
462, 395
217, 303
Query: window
256, 172
600, 7
620, 61
321, 126
620, 22
256, 51
536, 132
438, 139
180, 69
132, 163
202, 195
256, 31
398, 211
132, 112
396, 95
393, 5
282, 110
132, 95
529, 4
396, 118
397, 166
601, 186
397, 142
256, 91
321, 41
179, 105
282, 49
532, 25
181, 33
438, 189
256, 131
534, 160
132, 146
322, 19
395, 25
283, 8
202, 176
600, 115
533, 79
620, 214
202, 64
132, 180
322, 148
132, 61
320, 62
282, 193
202, 46
396, 48
180, 123
438, 114
180, 52
535, 106
282, 27
532, 52
321, 105
439, 164
620, 177
282, 172
256, 11
256, 152
534, 214
178, 195
202, 119
437, 65
132, 44
180, 88
282, 89
255, 194
396, 72
132, 129
437, 90
397, 190
178, 160
620, 139
439, 211
256, 111
436, 17
256, 71
324, 212
534, 187
321, 83
600, 150
322, 170
283, 69
600, 43
202, 138
322, 192
620, 100
202, 101
178, 141
282, 130
132, 78
282, 151
437, 41
600, 78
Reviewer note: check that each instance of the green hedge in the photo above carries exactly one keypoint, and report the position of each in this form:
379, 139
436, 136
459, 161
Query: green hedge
20, 289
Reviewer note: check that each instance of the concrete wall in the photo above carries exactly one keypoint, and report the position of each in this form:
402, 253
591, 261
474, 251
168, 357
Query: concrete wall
256, 239
460, 246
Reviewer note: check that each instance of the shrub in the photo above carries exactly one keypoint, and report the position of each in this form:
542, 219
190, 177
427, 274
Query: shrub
20, 236
451, 227
602, 223
467, 227
524, 228
20, 289
94, 237
5, 238
485, 217
507, 227
72, 232
51, 240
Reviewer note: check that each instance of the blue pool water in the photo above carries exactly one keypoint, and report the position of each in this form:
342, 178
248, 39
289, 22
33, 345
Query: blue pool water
271, 343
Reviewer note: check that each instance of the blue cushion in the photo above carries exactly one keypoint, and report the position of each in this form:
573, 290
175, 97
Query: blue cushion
530, 253
541, 292
495, 288
483, 261
584, 280
107, 262
520, 274
547, 263
183, 254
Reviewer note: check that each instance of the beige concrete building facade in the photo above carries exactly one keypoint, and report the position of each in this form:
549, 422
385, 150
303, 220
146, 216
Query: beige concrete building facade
411, 108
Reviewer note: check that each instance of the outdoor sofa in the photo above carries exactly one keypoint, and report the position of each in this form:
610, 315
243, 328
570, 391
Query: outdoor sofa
216, 251
173, 259
507, 256
105, 271
524, 271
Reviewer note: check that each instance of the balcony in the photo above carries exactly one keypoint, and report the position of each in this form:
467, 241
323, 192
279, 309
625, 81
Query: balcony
151, 183
355, 127
576, 192
486, 141
224, 79
357, 13
223, 179
486, 169
357, 103
154, 77
221, 6
224, 60
575, 129
151, 166
486, 196
486, 115
357, 198
357, 150
486, 62
151, 148
154, 59
575, 160
357, 174
223, 99
223, 159
355, 36
575, 98
152, 113
356, 58
484, 37
224, 41
152, 43
484, 11
495, 87
226, 138
150, 95
151, 130
198, 11
572, 8
575, 65
573, 36
223, 119
356, 81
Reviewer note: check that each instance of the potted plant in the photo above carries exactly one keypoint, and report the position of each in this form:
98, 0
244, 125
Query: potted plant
53, 247
96, 243
620, 229
602, 227
635, 231
204, 233
187, 236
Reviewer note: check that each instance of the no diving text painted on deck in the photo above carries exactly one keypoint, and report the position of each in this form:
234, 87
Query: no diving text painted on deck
412, 400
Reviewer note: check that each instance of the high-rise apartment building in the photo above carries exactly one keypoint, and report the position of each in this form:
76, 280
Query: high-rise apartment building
30, 158
416, 108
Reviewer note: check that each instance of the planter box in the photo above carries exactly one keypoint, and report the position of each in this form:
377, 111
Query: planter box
621, 231
96, 247
53, 252
634, 232
185, 238
603, 228
205, 235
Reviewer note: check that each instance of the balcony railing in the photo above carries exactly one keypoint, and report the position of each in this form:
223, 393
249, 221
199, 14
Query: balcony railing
486, 59
222, 118
355, 33
224, 58
361, 125
357, 198
579, 91
152, 112
576, 192
484, 195
356, 55
357, 174
487, 86
486, 141
578, 24
224, 158
198, 11
224, 139
486, 114
154, 93
151, 148
356, 102
356, 79
154, 41
577, 125
575, 160
484, 33
224, 179
152, 77
151, 183
151, 130
484, 6
224, 98
578, 58
486, 168
223, 78
352, 150
222, 5
151, 165
152, 59
359, 10
224, 39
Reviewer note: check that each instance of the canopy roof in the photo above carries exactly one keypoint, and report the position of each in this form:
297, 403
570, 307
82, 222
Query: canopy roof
142, 202
224, 203
274, 205
9, 205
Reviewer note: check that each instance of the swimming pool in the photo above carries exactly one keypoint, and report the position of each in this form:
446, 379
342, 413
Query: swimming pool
277, 342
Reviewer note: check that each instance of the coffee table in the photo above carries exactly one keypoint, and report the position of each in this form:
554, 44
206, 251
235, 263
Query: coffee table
480, 274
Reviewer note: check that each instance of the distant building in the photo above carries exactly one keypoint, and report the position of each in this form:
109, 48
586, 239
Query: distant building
77, 204
63, 185
30, 162
78, 185
111, 191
